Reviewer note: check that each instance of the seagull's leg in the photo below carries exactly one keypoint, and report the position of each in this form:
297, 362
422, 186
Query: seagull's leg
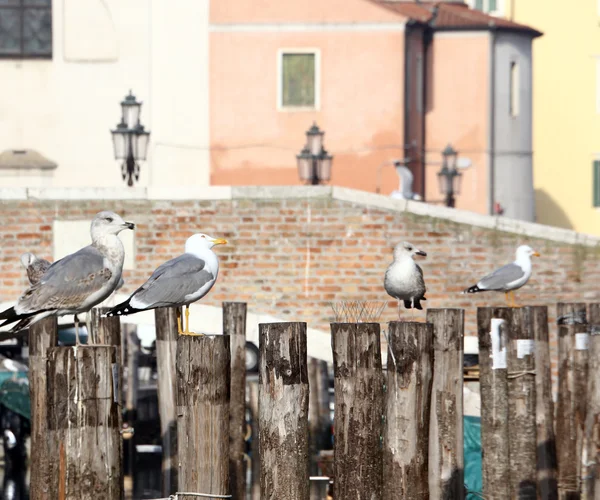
179, 330
187, 319
76, 320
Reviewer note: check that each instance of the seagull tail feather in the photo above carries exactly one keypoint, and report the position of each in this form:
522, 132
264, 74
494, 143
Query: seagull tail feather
473, 289
10, 316
123, 309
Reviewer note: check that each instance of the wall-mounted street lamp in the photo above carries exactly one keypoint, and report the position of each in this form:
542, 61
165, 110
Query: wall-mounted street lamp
130, 140
449, 177
314, 162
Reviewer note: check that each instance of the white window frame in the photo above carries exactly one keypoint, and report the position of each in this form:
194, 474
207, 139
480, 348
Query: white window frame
499, 12
304, 50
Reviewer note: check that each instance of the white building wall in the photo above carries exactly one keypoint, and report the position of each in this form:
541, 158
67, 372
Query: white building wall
65, 107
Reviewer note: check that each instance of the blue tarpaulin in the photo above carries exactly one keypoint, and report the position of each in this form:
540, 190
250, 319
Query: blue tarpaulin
472, 450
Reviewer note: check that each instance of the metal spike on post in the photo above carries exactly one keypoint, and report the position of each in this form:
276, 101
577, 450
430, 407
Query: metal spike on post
165, 319
84, 438
546, 441
234, 325
283, 411
572, 382
203, 370
522, 442
591, 443
358, 465
492, 326
43, 336
446, 455
407, 411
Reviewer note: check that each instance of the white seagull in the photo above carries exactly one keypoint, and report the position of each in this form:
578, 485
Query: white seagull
404, 278
77, 282
178, 282
508, 278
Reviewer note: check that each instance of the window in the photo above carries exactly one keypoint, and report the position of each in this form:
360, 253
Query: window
514, 89
487, 6
26, 28
298, 79
596, 175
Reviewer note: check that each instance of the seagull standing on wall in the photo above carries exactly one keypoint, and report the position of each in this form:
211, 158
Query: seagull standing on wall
178, 282
404, 278
508, 278
77, 282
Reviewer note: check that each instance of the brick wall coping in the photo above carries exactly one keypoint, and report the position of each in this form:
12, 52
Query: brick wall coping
354, 196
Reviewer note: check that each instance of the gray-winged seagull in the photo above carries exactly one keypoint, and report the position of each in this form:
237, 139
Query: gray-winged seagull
77, 282
178, 282
404, 278
34, 266
508, 278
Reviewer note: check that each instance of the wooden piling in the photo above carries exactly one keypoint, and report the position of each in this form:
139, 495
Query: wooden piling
105, 330
283, 412
165, 319
407, 411
42, 336
546, 442
358, 459
591, 442
133, 381
492, 329
318, 409
446, 455
572, 388
203, 370
84, 437
522, 444
254, 440
234, 325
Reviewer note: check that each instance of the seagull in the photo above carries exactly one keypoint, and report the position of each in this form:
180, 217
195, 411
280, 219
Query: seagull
508, 278
35, 267
77, 282
178, 282
404, 278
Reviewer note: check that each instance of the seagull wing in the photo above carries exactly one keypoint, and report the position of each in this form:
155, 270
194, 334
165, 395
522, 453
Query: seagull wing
502, 277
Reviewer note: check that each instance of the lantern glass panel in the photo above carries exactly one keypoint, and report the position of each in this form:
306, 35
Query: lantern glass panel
304, 166
324, 171
119, 137
140, 145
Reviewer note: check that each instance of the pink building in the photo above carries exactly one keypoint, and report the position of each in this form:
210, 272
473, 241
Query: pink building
386, 81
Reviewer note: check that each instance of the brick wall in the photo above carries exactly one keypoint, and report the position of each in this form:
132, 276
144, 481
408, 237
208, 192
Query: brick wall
292, 256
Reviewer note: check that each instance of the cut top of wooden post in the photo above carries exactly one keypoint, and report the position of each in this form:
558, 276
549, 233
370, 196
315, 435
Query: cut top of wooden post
43, 335
105, 330
234, 318
355, 346
448, 328
165, 319
283, 352
571, 313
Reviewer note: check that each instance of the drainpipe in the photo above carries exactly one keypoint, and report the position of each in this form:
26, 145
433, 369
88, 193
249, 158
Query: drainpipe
492, 115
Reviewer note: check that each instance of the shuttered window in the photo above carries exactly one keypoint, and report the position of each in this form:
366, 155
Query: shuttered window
596, 175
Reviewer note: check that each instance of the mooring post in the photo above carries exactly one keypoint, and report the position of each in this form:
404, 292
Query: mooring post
358, 459
133, 381
84, 438
492, 328
42, 337
254, 439
446, 455
407, 411
522, 443
546, 441
283, 411
591, 444
572, 388
203, 370
165, 319
318, 420
234, 325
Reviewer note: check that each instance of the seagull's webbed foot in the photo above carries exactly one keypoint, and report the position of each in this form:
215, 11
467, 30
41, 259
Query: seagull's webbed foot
187, 325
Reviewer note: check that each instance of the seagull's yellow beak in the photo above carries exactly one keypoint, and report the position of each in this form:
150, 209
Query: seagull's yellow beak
219, 241
536, 254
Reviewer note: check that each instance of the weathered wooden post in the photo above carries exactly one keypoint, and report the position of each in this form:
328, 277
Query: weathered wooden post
572, 382
165, 320
591, 443
42, 336
84, 438
105, 330
254, 440
446, 456
492, 328
318, 420
283, 411
522, 444
407, 411
133, 360
203, 370
358, 460
234, 325
546, 443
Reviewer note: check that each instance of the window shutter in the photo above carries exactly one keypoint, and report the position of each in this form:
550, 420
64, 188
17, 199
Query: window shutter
596, 174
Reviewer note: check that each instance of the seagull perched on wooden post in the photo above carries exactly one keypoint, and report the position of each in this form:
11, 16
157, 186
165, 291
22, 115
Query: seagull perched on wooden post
77, 282
508, 278
404, 278
178, 282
